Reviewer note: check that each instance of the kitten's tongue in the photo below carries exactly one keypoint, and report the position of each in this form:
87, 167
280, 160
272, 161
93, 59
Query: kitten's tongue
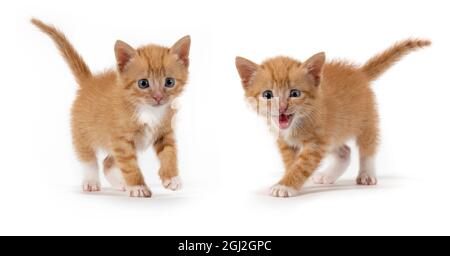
283, 121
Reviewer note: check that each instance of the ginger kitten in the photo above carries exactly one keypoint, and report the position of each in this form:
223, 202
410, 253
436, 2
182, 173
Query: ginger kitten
126, 109
318, 107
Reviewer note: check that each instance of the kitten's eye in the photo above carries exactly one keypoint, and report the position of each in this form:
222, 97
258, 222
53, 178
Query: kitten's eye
295, 93
170, 82
143, 84
267, 94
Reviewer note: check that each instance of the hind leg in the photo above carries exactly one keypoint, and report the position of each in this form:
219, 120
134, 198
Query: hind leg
113, 173
367, 143
340, 163
88, 159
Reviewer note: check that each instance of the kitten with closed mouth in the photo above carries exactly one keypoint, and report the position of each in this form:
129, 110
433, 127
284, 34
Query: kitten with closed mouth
126, 110
318, 107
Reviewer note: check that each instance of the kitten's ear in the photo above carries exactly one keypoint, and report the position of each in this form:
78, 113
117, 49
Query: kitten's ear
314, 67
246, 69
181, 49
124, 54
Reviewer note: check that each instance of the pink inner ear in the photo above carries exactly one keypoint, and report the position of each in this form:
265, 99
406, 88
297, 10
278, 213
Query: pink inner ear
316, 79
246, 69
185, 61
123, 59
246, 75
314, 66
183, 55
315, 71
181, 49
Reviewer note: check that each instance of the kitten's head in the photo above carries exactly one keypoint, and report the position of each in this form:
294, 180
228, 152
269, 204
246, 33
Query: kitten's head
153, 75
283, 89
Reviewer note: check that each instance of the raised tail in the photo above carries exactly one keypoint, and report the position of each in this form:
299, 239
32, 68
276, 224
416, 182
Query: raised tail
377, 65
76, 63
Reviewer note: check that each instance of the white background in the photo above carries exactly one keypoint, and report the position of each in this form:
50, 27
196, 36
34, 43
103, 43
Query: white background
228, 158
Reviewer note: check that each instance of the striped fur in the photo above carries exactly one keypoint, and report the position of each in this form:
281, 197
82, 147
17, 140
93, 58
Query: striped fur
336, 104
112, 113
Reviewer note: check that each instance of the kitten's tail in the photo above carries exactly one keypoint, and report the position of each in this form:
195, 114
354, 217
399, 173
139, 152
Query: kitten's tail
76, 63
383, 61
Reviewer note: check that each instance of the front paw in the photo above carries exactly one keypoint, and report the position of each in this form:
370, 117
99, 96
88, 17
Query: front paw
283, 191
139, 191
173, 183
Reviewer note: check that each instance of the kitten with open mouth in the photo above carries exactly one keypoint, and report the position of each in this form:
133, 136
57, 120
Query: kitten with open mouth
283, 120
318, 107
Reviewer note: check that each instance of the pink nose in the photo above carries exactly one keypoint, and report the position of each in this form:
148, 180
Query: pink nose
283, 107
157, 97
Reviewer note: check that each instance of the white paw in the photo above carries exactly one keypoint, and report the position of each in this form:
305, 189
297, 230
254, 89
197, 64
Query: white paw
283, 191
321, 178
173, 183
139, 191
366, 179
91, 186
91, 180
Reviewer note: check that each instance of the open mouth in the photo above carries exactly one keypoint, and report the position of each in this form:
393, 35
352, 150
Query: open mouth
284, 120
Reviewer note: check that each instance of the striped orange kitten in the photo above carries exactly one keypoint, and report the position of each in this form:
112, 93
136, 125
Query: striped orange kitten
318, 107
125, 110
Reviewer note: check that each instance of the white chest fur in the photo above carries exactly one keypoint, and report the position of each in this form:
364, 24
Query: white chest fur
151, 117
290, 139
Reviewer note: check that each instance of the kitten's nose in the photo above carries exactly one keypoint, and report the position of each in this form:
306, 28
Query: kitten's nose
283, 107
157, 97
